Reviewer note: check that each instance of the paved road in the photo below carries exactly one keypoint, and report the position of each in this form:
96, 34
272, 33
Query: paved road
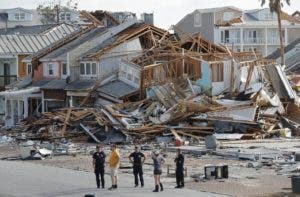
27, 179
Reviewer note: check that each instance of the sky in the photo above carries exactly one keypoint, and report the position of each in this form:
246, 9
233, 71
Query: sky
166, 12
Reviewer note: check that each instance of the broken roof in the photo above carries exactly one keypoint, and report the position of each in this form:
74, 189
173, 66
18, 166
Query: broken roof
134, 31
117, 89
27, 44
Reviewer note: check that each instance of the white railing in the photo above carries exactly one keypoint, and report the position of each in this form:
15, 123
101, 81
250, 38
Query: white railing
269, 40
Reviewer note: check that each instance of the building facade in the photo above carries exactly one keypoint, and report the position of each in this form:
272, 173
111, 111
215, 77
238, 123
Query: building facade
254, 30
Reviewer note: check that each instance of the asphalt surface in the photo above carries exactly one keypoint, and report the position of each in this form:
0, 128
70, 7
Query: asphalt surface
27, 179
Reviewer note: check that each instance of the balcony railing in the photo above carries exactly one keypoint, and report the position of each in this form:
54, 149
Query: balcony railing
7, 79
258, 40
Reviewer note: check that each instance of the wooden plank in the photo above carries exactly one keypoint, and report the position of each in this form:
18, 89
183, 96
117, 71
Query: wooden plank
63, 130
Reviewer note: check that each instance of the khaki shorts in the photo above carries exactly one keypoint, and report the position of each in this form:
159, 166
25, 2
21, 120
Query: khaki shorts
114, 172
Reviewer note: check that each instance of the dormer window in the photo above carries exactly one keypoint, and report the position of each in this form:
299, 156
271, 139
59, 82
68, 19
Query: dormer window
65, 16
19, 16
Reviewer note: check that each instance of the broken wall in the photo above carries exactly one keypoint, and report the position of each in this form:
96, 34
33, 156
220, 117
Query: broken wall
111, 61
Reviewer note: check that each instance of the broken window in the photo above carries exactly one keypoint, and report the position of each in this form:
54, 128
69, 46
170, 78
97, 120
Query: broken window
50, 69
217, 72
82, 69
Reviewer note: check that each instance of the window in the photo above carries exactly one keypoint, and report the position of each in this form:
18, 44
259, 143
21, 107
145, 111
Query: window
29, 68
50, 69
129, 75
17, 16
65, 16
62, 16
64, 69
222, 36
197, 19
94, 68
88, 68
217, 72
22, 16
68, 16
82, 69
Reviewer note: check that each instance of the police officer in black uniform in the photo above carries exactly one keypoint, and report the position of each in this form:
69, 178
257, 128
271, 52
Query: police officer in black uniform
137, 159
179, 160
99, 164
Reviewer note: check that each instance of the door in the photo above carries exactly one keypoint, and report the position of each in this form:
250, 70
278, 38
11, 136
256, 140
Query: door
254, 37
6, 73
226, 36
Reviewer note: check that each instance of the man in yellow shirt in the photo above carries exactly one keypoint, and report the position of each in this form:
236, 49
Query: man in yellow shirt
114, 162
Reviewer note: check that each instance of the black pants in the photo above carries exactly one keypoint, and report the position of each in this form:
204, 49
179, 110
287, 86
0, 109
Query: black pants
180, 178
138, 171
100, 171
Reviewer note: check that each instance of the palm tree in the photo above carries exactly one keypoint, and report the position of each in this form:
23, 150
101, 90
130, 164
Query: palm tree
275, 6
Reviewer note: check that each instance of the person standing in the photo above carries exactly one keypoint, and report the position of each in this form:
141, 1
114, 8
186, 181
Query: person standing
114, 163
99, 164
137, 158
179, 160
158, 161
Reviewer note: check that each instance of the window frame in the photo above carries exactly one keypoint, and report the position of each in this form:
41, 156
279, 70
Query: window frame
50, 69
91, 69
64, 64
197, 19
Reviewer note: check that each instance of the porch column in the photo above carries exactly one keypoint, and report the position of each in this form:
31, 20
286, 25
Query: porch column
19, 109
285, 37
12, 110
266, 42
25, 107
5, 107
71, 101
43, 102
242, 39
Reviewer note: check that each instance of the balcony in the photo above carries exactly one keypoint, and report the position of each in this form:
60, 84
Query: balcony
7, 79
251, 41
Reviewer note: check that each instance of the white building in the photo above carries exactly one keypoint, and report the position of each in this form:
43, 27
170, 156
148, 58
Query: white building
241, 30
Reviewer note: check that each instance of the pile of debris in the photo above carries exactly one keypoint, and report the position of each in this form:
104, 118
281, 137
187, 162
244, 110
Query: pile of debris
176, 110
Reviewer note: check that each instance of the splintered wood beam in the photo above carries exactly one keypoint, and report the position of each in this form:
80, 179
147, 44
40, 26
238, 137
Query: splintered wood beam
92, 18
63, 130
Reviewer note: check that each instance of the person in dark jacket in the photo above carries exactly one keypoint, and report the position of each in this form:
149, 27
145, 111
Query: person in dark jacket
137, 158
99, 164
179, 160
158, 161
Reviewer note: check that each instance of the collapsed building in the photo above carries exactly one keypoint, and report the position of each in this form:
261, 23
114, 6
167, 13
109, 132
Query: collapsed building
142, 81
